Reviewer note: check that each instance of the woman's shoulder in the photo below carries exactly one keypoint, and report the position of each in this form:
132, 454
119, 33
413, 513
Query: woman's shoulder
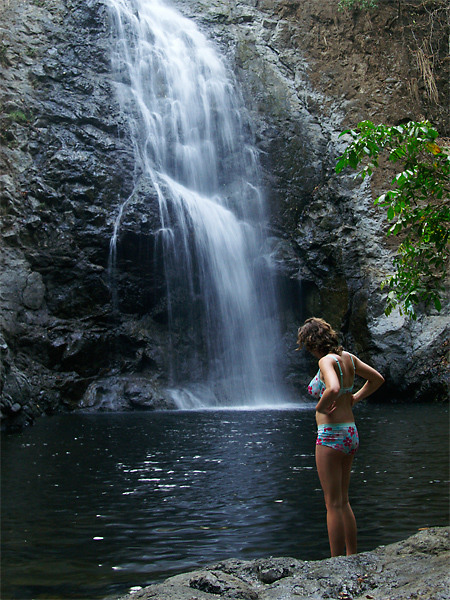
332, 358
327, 360
349, 356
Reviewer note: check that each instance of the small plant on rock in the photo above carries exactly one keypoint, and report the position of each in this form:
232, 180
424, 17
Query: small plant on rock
358, 4
3, 55
17, 116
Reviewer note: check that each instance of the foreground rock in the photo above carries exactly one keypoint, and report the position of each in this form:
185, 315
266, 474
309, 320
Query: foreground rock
415, 568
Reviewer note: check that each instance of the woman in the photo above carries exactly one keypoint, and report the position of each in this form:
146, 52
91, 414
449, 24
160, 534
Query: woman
337, 437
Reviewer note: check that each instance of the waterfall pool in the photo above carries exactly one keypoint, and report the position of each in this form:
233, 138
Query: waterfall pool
95, 503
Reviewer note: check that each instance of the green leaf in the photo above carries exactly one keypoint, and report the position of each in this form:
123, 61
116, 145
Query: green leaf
341, 164
419, 200
353, 159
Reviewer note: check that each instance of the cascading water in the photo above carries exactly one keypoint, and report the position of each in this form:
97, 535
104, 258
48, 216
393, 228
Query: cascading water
191, 141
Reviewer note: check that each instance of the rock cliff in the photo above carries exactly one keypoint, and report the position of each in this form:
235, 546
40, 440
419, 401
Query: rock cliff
414, 568
306, 72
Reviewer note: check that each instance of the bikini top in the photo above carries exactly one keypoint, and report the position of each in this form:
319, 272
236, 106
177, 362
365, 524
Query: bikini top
316, 386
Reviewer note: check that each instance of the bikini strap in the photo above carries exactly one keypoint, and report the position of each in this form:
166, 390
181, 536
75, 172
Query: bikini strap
353, 363
340, 371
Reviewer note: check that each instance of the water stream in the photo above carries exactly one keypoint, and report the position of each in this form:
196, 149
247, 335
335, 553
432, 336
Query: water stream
192, 141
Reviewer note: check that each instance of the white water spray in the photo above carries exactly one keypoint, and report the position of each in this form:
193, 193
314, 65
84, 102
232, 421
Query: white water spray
192, 142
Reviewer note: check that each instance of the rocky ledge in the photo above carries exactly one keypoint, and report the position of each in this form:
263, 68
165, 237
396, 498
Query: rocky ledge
415, 568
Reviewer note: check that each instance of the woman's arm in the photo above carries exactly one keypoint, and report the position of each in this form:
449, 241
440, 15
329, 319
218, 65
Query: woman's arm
332, 385
373, 380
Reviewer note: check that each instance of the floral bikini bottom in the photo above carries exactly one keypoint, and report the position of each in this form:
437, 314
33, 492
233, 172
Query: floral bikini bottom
340, 436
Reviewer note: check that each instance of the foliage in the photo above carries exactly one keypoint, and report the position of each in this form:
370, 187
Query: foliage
7, 125
361, 4
418, 205
17, 116
3, 55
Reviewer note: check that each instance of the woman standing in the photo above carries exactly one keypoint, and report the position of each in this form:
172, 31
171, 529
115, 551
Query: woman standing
337, 436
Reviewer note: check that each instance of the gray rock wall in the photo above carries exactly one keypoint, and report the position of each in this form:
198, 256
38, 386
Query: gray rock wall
414, 568
68, 164
308, 72
67, 161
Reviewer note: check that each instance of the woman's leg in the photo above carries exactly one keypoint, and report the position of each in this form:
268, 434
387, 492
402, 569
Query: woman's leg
347, 512
333, 467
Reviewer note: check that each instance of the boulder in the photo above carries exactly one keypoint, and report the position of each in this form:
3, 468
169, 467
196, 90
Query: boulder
414, 568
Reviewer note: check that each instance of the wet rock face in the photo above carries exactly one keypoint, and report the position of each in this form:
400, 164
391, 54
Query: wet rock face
69, 166
416, 567
69, 161
308, 72
126, 392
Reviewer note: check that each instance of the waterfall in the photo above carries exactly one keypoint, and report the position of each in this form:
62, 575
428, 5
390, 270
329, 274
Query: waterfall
192, 142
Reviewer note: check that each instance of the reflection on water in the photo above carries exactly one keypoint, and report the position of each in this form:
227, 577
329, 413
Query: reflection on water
95, 503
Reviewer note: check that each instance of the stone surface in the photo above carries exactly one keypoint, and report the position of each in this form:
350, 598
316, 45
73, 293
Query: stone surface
306, 72
414, 568
125, 392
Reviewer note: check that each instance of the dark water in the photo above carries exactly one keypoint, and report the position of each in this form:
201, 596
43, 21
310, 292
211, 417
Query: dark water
93, 504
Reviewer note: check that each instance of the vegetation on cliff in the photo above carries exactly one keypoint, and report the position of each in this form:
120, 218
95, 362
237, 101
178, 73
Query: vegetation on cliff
419, 206
424, 28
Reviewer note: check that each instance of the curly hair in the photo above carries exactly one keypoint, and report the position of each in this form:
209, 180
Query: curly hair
317, 334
